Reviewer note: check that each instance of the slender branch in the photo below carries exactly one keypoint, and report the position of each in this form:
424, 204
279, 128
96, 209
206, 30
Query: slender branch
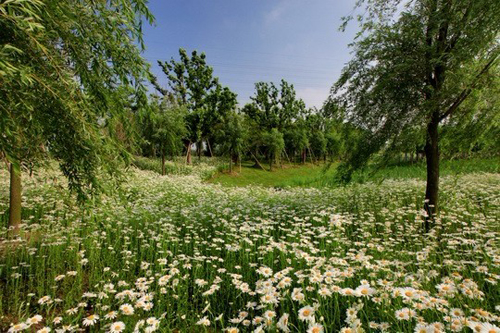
467, 91
462, 24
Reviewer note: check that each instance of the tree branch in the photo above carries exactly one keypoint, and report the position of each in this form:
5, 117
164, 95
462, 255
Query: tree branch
467, 91
463, 23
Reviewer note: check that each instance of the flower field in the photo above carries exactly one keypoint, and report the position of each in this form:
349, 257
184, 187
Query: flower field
175, 254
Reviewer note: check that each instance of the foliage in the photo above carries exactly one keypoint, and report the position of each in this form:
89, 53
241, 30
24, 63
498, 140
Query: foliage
276, 109
233, 136
272, 107
274, 142
192, 84
477, 128
296, 139
169, 127
318, 144
61, 63
414, 68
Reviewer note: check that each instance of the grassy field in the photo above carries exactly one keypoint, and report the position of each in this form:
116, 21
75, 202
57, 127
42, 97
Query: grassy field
176, 254
289, 175
320, 175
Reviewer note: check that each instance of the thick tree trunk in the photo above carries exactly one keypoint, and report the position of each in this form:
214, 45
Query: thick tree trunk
162, 163
230, 164
15, 198
304, 156
432, 159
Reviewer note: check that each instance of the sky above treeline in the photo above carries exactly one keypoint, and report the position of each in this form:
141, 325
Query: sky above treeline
247, 41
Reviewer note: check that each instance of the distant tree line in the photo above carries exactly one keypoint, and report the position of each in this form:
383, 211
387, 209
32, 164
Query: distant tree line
195, 110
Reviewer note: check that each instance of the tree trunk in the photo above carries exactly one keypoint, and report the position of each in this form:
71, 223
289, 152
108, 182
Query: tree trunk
188, 152
257, 162
210, 149
230, 164
198, 146
287, 157
432, 159
15, 198
311, 156
304, 156
162, 162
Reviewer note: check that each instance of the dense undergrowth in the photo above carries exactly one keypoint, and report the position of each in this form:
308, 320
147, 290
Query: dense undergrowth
172, 253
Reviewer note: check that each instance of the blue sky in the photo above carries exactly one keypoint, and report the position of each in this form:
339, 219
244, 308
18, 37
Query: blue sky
256, 40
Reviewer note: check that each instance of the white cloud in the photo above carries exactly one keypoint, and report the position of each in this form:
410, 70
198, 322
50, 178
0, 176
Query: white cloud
276, 13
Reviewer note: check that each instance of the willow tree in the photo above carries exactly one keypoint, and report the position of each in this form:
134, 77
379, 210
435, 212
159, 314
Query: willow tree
61, 64
414, 65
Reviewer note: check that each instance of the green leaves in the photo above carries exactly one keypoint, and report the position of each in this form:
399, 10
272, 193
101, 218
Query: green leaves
61, 65
411, 63
274, 107
193, 85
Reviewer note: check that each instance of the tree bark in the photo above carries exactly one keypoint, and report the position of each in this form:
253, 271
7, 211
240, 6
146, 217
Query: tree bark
198, 148
188, 152
210, 149
432, 159
15, 198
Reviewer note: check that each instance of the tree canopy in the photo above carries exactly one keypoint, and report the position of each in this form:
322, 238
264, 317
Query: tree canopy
412, 69
192, 84
61, 66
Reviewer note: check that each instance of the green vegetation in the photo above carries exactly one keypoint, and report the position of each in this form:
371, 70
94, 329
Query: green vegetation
66, 70
173, 253
289, 175
417, 73
332, 223
322, 175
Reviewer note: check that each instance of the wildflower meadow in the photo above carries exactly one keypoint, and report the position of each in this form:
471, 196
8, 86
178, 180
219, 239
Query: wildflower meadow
176, 254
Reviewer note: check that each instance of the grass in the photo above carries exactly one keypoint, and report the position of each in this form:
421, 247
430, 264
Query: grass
183, 253
321, 175
289, 175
